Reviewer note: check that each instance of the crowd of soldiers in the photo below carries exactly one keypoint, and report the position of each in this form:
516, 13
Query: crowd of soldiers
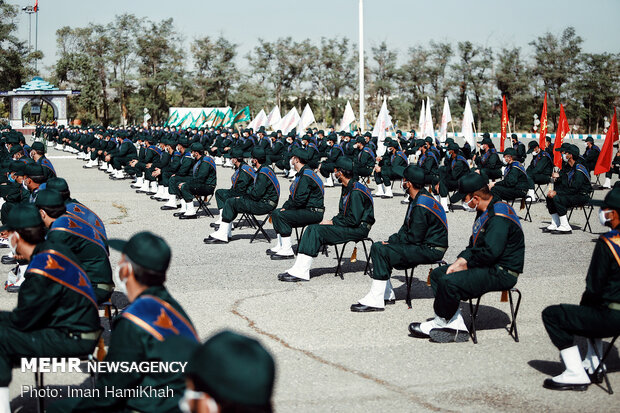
54, 237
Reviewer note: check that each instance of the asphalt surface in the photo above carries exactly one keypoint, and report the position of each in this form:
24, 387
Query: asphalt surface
329, 358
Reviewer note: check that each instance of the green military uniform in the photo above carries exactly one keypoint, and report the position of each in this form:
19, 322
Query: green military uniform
203, 179
456, 167
489, 162
392, 165
519, 148
242, 180
591, 155
305, 204
572, 189
516, 181
364, 160
153, 328
495, 256
56, 313
353, 222
422, 238
123, 154
184, 172
429, 162
541, 166
334, 152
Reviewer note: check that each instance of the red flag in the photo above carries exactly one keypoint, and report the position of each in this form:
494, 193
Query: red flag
542, 141
561, 131
504, 124
36, 6
604, 159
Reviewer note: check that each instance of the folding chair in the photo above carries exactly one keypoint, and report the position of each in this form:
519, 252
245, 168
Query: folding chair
540, 194
203, 201
258, 224
600, 373
514, 310
409, 279
108, 310
340, 254
299, 233
587, 209
528, 204
246, 220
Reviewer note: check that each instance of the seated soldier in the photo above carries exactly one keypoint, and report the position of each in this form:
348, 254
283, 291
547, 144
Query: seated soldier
261, 199
492, 261
229, 373
422, 239
38, 154
56, 313
201, 183
390, 167
34, 179
591, 154
489, 163
456, 167
314, 157
571, 188
182, 173
153, 327
515, 183
540, 168
428, 161
81, 238
242, 180
135, 166
303, 207
163, 168
364, 160
146, 182
597, 315
615, 169
119, 157
353, 222
334, 151
519, 148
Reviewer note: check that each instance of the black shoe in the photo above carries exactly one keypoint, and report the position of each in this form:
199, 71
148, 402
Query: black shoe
188, 216
389, 302
139, 191
151, 193
12, 288
176, 214
545, 230
405, 202
168, 208
596, 378
286, 277
268, 252
215, 226
212, 240
3, 246
553, 385
361, 308
556, 232
415, 331
8, 260
448, 335
277, 257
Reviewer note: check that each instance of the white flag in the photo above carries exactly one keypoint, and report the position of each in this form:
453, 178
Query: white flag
347, 118
467, 129
421, 121
288, 122
428, 121
306, 119
258, 121
446, 117
384, 121
274, 116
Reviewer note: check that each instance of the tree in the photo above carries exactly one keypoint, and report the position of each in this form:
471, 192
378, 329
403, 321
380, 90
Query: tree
13, 53
555, 66
384, 73
439, 59
216, 72
513, 77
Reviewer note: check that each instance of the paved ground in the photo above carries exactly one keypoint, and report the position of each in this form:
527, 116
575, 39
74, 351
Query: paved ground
331, 359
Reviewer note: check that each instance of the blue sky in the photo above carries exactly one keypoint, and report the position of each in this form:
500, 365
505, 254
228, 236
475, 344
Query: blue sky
401, 23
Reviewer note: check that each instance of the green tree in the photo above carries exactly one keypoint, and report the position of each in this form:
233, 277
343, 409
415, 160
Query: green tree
384, 73
513, 79
13, 53
216, 71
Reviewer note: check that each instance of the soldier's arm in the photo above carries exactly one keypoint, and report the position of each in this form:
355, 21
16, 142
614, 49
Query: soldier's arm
257, 192
598, 274
302, 193
37, 296
355, 211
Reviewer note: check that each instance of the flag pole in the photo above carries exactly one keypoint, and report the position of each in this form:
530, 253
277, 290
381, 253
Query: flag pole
361, 63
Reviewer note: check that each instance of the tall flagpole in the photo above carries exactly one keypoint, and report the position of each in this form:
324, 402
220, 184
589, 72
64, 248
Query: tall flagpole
361, 65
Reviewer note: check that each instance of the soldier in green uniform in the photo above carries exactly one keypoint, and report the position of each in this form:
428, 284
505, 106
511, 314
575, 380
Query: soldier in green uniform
261, 198
492, 261
429, 162
455, 168
86, 243
488, 162
519, 148
181, 174
540, 168
571, 188
333, 152
242, 180
353, 222
201, 183
422, 239
160, 170
615, 169
515, 183
364, 160
597, 315
120, 157
37, 153
34, 177
153, 327
56, 313
591, 154
304, 206
390, 167
229, 373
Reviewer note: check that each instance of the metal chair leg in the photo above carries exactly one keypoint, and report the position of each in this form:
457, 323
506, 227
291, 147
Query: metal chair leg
367, 255
514, 310
339, 255
408, 283
474, 313
599, 368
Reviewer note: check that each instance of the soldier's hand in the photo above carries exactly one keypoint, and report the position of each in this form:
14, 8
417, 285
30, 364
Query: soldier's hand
180, 185
551, 194
459, 265
384, 243
326, 222
148, 165
491, 185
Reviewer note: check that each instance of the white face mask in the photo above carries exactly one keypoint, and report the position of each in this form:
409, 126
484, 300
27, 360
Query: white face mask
24, 185
504, 161
565, 157
468, 207
418, 152
196, 395
120, 285
13, 235
602, 217
290, 163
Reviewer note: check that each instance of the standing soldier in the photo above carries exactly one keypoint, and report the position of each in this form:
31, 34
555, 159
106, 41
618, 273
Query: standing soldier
598, 313
303, 207
353, 222
591, 154
422, 239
